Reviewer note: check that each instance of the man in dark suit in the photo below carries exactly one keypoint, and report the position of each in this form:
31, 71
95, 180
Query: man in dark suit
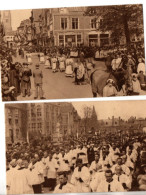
38, 82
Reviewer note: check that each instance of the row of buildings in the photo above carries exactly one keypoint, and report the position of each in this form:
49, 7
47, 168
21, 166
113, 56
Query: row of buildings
52, 120
59, 121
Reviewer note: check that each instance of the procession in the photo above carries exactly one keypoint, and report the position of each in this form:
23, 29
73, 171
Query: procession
85, 166
78, 64
62, 53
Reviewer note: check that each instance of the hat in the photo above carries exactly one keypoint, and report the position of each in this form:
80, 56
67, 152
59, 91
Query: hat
134, 75
110, 81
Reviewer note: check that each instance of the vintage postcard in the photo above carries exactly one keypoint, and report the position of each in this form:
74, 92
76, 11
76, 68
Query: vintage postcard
75, 147
72, 52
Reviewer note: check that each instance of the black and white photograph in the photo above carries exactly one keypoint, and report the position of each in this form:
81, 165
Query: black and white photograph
72, 52
75, 147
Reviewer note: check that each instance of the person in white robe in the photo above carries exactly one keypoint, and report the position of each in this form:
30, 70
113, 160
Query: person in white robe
47, 62
81, 178
69, 66
37, 177
54, 63
42, 58
29, 58
52, 168
20, 181
125, 169
109, 184
45, 160
61, 63
122, 178
64, 186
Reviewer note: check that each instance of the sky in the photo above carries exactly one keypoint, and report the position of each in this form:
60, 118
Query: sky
124, 109
18, 15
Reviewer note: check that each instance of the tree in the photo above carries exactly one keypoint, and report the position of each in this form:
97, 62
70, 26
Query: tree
121, 20
87, 113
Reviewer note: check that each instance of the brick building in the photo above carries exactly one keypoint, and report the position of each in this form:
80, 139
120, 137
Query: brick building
15, 122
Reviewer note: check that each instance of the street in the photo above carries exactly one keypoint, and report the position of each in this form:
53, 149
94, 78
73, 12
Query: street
56, 85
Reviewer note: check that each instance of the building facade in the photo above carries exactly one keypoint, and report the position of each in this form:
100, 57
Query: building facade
48, 118
15, 122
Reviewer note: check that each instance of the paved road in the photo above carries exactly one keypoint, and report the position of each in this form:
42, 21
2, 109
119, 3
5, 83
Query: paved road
57, 86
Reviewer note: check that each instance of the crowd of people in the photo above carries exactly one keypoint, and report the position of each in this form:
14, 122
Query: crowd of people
77, 62
83, 165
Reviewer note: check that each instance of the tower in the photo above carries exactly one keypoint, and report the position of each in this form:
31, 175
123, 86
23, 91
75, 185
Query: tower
6, 20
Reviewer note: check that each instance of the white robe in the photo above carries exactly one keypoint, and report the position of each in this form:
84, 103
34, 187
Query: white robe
123, 179
85, 176
98, 177
115, 186
68, 188
20, 182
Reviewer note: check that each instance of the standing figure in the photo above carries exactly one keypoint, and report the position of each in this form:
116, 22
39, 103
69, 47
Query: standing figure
54, 63
28, 56
25, 75
61, 63
79, 73
69, 66
47, 62
42, 58
38, 82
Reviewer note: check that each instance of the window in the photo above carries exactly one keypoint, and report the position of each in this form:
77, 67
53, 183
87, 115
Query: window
93, 40
79, 39
74, 23
93, 23
16, 121
10, 121
104, 39
63, 23
61, 40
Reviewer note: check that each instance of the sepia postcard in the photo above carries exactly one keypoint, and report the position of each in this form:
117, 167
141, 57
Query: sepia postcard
75, 147
72, 52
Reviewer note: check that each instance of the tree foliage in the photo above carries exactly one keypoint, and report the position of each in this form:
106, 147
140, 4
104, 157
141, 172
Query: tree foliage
121, 20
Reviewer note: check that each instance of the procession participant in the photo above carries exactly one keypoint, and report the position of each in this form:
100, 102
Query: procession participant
61, 60
125, 169
109, 184
122, 178
64, 186
51, 167
95, 165
28, 57
116, 62
54, 63
90, 154
25, 75
81, 177
48, 61
98, 177
142, 178
9, 174
36, 174
105, 159
20, 182
79, 72
38, 82
141, 66
136, 89
69, 66
109, 90
41, 58
45, 160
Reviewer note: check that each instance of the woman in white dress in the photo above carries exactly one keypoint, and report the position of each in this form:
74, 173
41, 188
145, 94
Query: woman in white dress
54, 63
28, 56
47, 62
61, 63
69, 67
42, 58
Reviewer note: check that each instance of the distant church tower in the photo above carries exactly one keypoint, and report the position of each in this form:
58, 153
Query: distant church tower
6, 20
